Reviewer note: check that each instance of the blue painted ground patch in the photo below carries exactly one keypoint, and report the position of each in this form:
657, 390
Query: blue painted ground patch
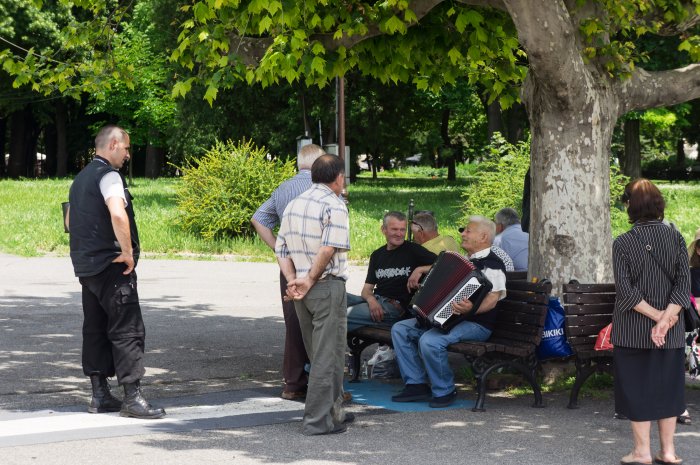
378, 394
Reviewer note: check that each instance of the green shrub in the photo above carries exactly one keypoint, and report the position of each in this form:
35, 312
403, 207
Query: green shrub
220, 192
499, 179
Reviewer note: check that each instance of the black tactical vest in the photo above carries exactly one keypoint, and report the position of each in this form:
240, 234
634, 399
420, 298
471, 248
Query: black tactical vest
93, 244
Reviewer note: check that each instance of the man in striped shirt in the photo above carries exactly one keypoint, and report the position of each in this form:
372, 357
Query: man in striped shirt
265, 219
311, 248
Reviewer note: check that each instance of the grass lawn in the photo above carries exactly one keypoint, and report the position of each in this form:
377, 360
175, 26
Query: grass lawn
31, 221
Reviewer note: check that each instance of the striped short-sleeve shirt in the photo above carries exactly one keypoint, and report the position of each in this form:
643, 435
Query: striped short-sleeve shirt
316, 218
270, 213
638, 277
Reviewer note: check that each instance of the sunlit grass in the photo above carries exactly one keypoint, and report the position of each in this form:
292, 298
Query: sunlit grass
31, 220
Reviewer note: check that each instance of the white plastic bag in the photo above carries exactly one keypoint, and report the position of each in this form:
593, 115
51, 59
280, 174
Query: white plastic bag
383, 364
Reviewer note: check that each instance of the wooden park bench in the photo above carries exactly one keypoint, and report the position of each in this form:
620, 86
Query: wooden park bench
589, 308
512, 344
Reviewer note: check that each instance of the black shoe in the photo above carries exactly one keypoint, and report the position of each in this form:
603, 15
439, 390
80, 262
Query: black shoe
341, 428
349, 418
102, 399
443, 401
136, 406
337, 429
413, 393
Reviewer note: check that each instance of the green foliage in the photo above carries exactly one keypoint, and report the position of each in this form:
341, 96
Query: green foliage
221, 191
499, 179
618, 181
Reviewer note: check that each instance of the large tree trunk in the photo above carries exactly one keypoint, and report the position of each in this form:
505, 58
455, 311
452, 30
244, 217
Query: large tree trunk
514, 123
3, 131
570, 235
631, 163
61, 139
154, 160
50, 148
23, 137
494, 119
448, 153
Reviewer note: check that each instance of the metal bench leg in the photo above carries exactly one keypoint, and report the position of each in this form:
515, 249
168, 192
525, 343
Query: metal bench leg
529, 373
583, 372
481, 384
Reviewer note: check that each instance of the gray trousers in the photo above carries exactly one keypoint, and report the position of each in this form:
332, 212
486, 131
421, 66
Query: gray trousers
322, 317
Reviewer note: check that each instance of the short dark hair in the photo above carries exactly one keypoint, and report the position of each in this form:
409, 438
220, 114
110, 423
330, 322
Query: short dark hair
107, 133
326, 169
644, 201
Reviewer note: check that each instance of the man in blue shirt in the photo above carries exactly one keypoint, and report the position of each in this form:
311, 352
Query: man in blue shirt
265, 220
511, 238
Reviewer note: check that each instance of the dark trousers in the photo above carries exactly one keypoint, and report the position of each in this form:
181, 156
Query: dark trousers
113, 329
295, 357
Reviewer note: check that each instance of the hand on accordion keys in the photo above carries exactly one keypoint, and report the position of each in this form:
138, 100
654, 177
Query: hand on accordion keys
462, 307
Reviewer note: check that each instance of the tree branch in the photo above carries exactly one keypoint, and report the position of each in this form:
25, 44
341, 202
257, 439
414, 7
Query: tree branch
646, 89
251, 49
549, 35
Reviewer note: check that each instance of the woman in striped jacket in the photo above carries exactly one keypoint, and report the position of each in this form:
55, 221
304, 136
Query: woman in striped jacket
652, 283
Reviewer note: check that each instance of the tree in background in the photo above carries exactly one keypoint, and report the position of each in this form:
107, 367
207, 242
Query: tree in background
580, 77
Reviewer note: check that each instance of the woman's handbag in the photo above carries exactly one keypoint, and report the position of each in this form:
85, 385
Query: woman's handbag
603, 341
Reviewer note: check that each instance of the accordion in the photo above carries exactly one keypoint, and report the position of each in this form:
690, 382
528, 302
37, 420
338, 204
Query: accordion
452, 278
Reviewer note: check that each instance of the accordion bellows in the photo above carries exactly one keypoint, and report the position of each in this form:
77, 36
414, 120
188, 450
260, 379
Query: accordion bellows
451, 279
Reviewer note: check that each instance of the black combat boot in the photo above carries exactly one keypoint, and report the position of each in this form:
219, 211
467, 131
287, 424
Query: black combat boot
102, 399
136, 406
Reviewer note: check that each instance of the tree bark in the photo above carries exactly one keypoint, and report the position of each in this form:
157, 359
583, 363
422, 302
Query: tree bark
50, 148
514, 123
23, 135
680, 153
494, 119
3, 132
448, 152
61, 139
631, 163
155, 156
570, 234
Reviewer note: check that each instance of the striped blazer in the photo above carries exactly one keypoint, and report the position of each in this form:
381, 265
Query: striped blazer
638, 277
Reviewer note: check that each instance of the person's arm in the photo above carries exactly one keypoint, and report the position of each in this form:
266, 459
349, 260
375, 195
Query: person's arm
465, 306
265, 233
375, 308
120, 224
302, 286
416, 275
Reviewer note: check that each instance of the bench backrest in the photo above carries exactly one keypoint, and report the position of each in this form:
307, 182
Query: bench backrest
522, 313
589, 308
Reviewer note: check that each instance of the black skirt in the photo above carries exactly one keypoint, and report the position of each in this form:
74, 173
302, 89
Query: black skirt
649, 383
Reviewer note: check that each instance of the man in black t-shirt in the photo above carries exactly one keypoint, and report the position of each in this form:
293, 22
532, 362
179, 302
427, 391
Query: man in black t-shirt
391, 276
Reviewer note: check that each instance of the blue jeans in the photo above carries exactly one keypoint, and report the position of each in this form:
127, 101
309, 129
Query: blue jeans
422, 353
359, 315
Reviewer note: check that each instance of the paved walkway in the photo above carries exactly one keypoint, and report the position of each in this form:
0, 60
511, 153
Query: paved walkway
214, 348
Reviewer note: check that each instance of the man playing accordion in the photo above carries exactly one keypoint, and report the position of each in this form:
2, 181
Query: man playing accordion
422, 353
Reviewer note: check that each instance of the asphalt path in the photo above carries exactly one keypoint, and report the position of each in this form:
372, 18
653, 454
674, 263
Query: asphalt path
214, 348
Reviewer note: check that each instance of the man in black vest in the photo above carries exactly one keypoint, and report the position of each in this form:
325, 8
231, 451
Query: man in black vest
104, 249
422, 353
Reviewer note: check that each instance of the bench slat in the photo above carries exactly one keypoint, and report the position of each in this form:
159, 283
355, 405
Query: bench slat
519, 317
526, 296
521, 307
589, 298
597, 321
590, 309
587, 288
539, 288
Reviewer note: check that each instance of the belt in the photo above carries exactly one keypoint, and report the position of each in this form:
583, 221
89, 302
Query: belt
393, 302
330, 277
